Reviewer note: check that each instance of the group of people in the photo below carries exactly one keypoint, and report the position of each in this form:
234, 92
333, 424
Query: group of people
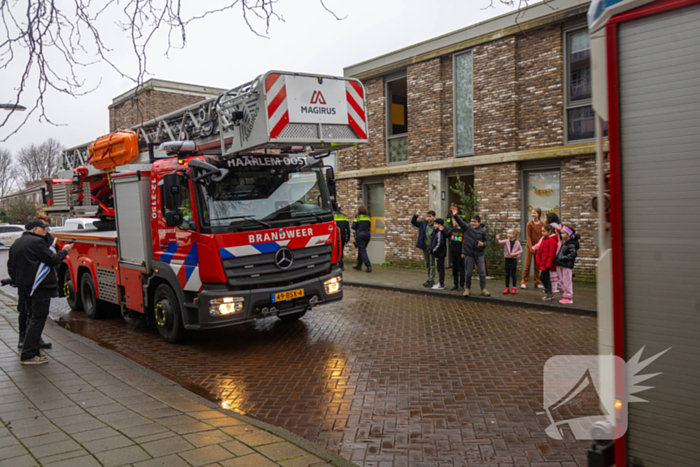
467, 244
553, 247
31, 266
362, 225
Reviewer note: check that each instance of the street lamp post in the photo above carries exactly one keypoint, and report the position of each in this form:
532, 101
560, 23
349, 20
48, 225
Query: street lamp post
12, 107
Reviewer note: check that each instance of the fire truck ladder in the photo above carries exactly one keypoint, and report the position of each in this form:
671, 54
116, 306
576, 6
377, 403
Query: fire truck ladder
237, 121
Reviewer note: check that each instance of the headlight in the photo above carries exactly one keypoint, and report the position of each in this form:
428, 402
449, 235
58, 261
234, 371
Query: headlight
225, 305
333, 285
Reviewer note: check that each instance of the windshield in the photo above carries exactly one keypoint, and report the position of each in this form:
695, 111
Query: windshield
263, 196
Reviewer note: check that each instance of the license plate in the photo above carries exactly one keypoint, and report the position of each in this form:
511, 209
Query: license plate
283, 296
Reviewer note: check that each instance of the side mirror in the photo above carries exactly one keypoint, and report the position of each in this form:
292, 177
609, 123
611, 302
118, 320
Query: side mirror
172, 198
330, 176
174, 218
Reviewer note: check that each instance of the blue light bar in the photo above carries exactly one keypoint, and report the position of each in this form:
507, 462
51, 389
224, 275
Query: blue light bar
597, 8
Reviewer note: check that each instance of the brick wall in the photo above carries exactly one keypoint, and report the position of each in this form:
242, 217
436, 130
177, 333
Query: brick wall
425, 89
495, 96
539, 65
146, 106
578, 186
499, 189
404, 195
373, 153
447, 129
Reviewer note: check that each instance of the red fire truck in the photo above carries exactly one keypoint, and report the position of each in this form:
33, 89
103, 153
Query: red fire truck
216, 214
645, 58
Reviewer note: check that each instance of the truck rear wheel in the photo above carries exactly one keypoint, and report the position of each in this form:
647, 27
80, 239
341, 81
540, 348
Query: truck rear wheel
69, 292
167, 314
88, 296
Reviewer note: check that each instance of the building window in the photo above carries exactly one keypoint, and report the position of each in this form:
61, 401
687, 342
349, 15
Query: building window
464, 104
542, 190
397, 120
579, 115
374, 194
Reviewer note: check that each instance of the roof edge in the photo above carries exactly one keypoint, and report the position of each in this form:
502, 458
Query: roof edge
166, 86
533, 16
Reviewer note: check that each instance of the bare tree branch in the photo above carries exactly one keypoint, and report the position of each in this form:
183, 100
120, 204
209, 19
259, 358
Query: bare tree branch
7, 172
48, 45
38, 162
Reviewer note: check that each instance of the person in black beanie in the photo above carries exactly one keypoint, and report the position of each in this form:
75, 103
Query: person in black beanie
29, 255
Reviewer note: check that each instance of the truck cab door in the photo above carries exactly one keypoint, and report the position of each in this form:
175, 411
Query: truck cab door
177, 245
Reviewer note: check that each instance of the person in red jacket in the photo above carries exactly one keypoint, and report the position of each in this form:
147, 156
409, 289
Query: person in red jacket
547, 259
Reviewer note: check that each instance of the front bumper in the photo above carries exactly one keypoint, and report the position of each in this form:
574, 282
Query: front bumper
259, 300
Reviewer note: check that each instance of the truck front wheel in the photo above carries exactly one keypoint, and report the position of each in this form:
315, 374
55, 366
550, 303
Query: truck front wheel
88, 296
69, 292
167, 314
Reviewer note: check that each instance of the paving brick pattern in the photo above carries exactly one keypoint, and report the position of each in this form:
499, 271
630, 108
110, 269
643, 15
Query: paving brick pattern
86, 408
382, 378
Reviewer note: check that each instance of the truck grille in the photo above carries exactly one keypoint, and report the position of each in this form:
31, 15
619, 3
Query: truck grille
262, 270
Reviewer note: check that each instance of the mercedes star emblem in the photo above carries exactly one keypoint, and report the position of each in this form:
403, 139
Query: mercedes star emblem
284, 258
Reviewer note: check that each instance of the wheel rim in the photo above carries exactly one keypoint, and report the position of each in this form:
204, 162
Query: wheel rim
68, 287
164, 314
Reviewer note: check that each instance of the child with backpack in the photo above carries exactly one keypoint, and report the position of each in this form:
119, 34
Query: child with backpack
511, 251
565, 262
456, 236
546, 259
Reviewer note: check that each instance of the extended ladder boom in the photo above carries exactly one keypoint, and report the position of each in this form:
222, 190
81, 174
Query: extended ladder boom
274, 111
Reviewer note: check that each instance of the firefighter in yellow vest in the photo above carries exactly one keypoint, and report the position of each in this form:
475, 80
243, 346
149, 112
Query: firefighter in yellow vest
361, 225
343, 224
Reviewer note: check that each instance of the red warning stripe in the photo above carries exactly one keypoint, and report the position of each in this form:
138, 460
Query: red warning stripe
356, 127
271, 80
280, 125
356, 107
358, 88
279, 98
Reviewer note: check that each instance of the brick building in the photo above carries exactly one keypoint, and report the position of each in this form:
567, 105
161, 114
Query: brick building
154, 98
503, 105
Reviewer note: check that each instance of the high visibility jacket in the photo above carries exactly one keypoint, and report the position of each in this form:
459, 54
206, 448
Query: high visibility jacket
362, 223
343, 224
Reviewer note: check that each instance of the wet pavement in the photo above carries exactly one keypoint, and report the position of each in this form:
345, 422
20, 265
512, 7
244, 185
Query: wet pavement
382, 378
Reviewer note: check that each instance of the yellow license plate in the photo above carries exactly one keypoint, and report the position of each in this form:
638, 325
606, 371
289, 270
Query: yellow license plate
282, 296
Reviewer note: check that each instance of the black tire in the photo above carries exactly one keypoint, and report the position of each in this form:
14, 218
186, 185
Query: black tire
292, 317
167, 315
88, 296
72, 297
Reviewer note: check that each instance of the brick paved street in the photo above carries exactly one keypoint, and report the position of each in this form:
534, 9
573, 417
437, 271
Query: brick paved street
383, 378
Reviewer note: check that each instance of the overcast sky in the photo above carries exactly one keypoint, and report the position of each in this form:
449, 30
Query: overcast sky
222, 52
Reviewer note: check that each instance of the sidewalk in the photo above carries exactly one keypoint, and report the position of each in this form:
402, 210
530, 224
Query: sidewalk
91, 407
411, 280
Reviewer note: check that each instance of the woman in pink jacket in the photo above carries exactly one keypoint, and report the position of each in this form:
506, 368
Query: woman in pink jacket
511, 250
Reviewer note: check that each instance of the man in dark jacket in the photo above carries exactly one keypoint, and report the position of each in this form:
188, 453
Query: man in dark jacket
27, 255
343, 224
438, 249
474, 244
21, 306
425, 239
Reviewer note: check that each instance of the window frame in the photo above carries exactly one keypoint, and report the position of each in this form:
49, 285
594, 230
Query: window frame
568, 105
387, 114
454, 104
366, 184
543, 166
